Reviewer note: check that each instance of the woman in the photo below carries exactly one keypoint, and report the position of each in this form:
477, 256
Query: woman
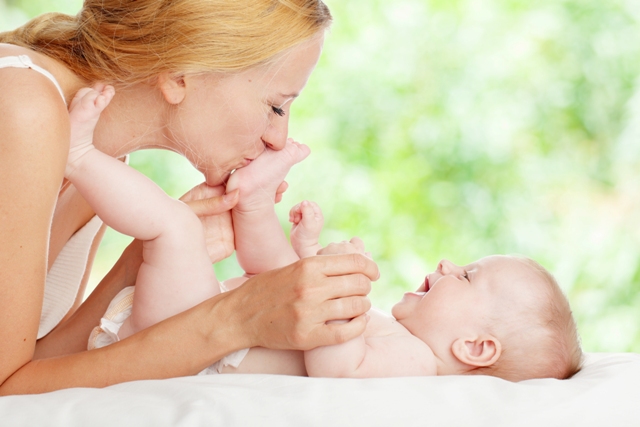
210, 79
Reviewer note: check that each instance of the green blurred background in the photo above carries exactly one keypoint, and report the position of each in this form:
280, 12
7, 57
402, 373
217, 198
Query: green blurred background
461, 128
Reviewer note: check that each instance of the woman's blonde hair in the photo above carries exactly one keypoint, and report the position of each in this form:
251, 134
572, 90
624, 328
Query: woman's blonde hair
124, 42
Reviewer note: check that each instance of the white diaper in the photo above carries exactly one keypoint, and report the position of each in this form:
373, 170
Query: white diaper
118, 311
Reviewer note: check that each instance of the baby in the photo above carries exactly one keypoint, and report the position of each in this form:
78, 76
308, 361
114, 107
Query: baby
502, 316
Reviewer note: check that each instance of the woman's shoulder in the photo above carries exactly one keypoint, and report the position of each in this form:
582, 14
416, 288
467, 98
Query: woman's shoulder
35, 76
33, 116
25, 92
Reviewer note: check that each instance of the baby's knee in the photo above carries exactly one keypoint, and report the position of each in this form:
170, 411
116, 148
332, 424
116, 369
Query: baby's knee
183, 225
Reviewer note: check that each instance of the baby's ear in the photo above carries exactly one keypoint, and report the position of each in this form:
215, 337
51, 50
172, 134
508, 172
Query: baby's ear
482, 350
173, 88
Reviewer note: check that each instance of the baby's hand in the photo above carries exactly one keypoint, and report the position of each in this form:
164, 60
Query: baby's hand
355, 245
307, 221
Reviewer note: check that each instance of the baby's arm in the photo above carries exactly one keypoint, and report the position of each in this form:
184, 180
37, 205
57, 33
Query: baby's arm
261, 244
307, 220
386, 349
174, 250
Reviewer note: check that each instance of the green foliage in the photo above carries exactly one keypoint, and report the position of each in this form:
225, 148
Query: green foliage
458, 129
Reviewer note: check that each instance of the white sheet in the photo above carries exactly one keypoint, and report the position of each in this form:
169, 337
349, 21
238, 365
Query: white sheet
605, 393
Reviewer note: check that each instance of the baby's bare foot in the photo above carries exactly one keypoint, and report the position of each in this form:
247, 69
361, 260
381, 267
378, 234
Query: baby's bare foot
84, 113
259, 180
307, 221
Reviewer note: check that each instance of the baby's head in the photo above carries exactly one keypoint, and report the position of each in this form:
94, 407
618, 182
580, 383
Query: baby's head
501, 315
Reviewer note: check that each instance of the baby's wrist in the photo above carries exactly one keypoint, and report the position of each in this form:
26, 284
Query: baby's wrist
76, 157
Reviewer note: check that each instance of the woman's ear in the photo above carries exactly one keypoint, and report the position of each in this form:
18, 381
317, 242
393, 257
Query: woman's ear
483, 350
173, 87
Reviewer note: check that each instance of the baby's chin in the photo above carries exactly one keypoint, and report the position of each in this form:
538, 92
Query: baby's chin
407, 304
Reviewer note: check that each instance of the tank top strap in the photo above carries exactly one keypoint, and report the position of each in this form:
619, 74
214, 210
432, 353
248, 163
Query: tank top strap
23, 61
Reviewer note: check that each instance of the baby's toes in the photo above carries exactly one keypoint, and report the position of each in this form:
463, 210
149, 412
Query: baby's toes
295, 151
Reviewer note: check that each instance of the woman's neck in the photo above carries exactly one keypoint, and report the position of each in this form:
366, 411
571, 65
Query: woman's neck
134, 120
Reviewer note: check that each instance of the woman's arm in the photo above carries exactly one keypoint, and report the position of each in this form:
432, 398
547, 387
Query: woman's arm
33, 148
282, 309
71, 336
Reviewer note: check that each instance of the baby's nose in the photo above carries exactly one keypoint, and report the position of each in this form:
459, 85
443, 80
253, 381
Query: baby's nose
447, 267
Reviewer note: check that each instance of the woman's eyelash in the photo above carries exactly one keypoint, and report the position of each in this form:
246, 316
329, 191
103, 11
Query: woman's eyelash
279, 111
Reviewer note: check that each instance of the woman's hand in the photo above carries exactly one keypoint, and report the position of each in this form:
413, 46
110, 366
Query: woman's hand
288, 308
213, 207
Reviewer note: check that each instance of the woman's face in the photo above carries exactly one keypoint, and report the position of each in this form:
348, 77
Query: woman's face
225, 122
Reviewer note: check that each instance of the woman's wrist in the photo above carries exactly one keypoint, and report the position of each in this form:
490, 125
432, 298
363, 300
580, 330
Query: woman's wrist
228, 323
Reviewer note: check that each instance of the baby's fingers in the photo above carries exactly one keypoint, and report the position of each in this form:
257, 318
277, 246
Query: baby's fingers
79, 96
105, 96
295, 213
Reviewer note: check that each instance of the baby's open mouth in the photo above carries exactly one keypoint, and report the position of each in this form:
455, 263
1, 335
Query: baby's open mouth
424, 288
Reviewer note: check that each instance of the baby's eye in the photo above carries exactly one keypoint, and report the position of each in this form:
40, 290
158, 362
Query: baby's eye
465, 275
279, 111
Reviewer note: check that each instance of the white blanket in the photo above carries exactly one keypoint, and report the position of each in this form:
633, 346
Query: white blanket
605, 393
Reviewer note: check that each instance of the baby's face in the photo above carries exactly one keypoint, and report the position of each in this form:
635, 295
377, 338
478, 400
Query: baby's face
456, 301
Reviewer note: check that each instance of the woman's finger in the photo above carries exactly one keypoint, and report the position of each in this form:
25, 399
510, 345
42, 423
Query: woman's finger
342, 286
343, 264
345, 308
214, 205
280, 191
338, 333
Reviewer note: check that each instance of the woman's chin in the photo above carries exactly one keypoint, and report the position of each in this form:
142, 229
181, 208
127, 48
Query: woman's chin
214, 180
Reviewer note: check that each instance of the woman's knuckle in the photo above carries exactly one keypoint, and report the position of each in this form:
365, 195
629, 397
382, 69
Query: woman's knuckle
364, 284
298, 338
357, 305
359, 261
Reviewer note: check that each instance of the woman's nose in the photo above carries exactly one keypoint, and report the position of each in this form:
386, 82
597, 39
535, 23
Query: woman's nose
275, 136
447, 267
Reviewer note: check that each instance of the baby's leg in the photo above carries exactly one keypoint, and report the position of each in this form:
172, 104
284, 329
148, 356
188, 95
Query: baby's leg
261, 244
176, 273
307, 221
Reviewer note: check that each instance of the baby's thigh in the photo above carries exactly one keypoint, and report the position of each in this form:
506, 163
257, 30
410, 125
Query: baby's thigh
261, 360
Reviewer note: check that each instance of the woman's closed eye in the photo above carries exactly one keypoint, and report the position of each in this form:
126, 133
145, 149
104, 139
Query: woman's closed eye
279, 111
